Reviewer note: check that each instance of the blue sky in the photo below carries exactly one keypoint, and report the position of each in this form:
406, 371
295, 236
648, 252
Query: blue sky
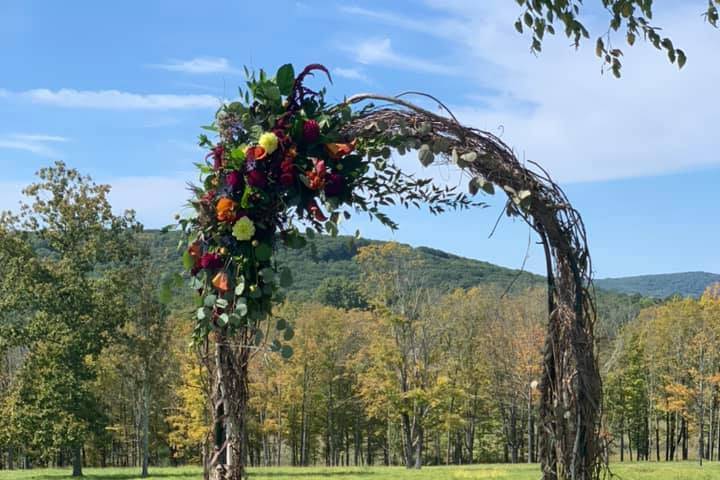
119, 89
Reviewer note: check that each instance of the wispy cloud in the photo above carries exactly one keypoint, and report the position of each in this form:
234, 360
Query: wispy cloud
351, 74
31, 142
557, 109
402, 21
198, 66
380, 52
115, 99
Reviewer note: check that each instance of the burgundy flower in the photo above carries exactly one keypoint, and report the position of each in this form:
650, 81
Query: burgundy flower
256, 179
334, 185
218, 154
234, 180
311, 131
211, 261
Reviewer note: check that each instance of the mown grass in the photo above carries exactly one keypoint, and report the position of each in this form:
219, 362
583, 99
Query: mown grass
637, 471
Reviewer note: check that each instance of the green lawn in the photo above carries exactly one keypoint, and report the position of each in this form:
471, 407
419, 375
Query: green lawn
676, 471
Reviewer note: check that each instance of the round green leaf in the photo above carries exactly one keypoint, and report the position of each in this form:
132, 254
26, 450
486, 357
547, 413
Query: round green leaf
286, 351
263, 252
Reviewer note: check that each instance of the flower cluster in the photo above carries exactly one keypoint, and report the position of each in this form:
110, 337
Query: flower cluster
279, 158
283, 157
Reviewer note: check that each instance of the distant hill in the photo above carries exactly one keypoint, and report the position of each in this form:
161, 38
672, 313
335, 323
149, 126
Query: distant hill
662, 285
334, 257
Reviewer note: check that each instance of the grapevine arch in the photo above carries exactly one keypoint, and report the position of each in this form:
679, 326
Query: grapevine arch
270, 164
571, 386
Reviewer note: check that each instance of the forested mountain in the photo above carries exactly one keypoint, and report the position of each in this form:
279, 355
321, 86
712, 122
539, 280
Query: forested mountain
332, 258
663, 285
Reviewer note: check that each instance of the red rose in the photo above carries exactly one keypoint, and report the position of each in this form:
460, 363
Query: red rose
257, 179
311, 131
334, 185
211, 261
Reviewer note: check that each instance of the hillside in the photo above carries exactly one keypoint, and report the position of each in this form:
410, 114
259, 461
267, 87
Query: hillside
663, 285
334, 258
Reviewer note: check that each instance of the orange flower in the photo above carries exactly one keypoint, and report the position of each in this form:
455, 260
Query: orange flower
195, 250
225, 210
220, 282
291, 153
255, 153
339, 150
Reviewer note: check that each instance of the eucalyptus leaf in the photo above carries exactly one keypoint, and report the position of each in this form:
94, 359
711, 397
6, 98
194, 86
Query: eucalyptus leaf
286, 351
425, 155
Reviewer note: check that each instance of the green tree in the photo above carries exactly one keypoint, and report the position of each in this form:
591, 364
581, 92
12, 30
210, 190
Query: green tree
66, 306
340, 292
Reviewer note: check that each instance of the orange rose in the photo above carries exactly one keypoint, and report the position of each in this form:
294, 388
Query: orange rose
255, 153
339, 150
225, 210
220, 282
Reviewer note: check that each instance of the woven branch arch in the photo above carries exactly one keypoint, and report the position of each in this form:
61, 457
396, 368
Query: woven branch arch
571, 388
269, 167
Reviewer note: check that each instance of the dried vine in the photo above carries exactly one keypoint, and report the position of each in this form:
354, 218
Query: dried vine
570, 386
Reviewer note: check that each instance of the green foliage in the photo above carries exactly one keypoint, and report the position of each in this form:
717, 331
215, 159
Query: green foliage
61, 305
630, 18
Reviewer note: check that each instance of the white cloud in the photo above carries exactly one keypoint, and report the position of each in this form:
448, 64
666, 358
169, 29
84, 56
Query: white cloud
31, 142
198, 66
557, 109
115, 99
155, 199
351, 74
380, 52
36, 137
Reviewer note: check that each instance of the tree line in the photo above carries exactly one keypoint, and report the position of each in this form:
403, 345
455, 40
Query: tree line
389, 366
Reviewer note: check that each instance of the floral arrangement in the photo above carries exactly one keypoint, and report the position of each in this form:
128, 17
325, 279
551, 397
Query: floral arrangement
282, 159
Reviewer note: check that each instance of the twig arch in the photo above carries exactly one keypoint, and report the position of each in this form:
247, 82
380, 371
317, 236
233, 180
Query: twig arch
571, 389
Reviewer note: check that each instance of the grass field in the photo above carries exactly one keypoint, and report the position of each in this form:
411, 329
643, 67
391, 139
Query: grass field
676, 471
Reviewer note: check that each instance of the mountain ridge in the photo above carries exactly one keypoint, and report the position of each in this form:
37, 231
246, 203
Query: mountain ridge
661, 285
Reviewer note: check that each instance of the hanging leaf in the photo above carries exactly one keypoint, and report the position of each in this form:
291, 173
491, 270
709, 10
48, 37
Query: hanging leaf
426, 155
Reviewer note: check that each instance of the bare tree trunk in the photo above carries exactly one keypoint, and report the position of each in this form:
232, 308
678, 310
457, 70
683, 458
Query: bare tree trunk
407, 441
419, 447
145, 425
77, 461
530, 428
